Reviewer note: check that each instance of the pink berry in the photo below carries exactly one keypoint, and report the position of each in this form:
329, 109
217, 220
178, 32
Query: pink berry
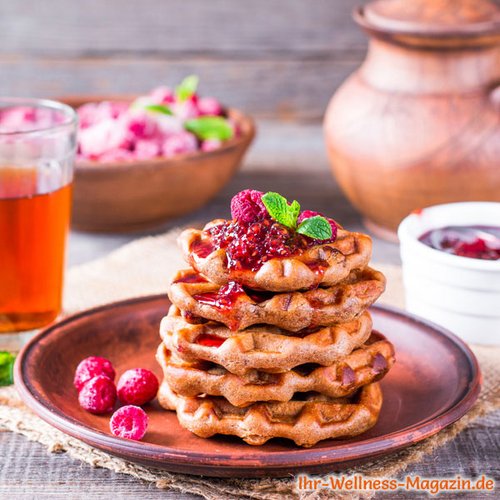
186, 110
183, 142
104, 136
146, 149
209, 106
307, 214
98, 395
162, 95
137, 387
90, 368
210, 145
247, 206
129, 422
139, 125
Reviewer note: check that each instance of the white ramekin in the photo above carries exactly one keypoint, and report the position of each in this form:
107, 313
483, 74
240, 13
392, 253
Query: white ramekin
459, 293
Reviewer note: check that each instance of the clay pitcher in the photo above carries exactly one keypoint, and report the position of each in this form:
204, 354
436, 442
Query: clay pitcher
419, 122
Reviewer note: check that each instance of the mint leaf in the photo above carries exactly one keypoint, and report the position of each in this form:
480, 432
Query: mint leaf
210, 127
316, 227
6, 368
187, 88
279, 209
277, 206
293, 213
158, 108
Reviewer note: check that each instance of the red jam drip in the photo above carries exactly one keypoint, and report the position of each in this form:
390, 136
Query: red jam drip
318, 268
202, 248
191, 278
249, 246
223, 299
475, 242
209, 340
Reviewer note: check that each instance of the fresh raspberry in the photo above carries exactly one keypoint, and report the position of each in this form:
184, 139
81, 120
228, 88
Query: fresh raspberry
210, 145
182, 142
209, 106
146, 149
137, 386
247, 206
162, 95
129, 422
90, 368
98, 395
307, 214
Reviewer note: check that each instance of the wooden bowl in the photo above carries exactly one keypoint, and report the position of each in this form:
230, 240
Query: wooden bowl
132, 195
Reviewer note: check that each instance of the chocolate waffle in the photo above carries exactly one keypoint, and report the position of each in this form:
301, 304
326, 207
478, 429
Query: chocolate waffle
264, 348
305, 420
323, 265
363, 366
238, 308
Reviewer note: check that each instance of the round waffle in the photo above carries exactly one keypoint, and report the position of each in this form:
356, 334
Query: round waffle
292, 311
323, 265
305, 421
264, 348
363, 366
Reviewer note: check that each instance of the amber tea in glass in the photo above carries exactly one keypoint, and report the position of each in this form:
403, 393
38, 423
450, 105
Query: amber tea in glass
37, 147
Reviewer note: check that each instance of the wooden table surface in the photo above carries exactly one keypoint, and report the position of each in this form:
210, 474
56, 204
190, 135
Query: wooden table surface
289, 159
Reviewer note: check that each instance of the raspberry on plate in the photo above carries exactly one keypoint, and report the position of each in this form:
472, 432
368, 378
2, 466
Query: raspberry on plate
129, 422
91, 367
137, 386
98, 395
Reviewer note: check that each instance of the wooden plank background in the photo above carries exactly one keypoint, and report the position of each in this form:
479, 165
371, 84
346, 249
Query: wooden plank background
274, 58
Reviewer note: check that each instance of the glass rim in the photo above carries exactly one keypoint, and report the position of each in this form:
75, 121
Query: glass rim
70, 116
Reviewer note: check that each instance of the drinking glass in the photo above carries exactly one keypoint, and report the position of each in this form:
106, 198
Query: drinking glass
37, 149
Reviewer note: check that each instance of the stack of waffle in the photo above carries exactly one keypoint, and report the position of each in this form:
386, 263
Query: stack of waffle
285, 351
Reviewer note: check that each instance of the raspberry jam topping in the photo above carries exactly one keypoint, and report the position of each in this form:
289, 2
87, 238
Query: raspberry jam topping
202, 248
210, 340
475, 242
224, 298
248, 246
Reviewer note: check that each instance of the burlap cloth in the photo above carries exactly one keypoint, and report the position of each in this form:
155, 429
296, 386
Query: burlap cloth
144, 267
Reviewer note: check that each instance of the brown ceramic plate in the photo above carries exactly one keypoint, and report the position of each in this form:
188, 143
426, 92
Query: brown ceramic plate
435, 381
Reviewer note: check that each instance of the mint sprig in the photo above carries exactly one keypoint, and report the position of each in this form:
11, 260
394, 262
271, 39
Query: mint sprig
279, 209
285, 213
6, 368
316, 227
187, 88
210, 127
158, 108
